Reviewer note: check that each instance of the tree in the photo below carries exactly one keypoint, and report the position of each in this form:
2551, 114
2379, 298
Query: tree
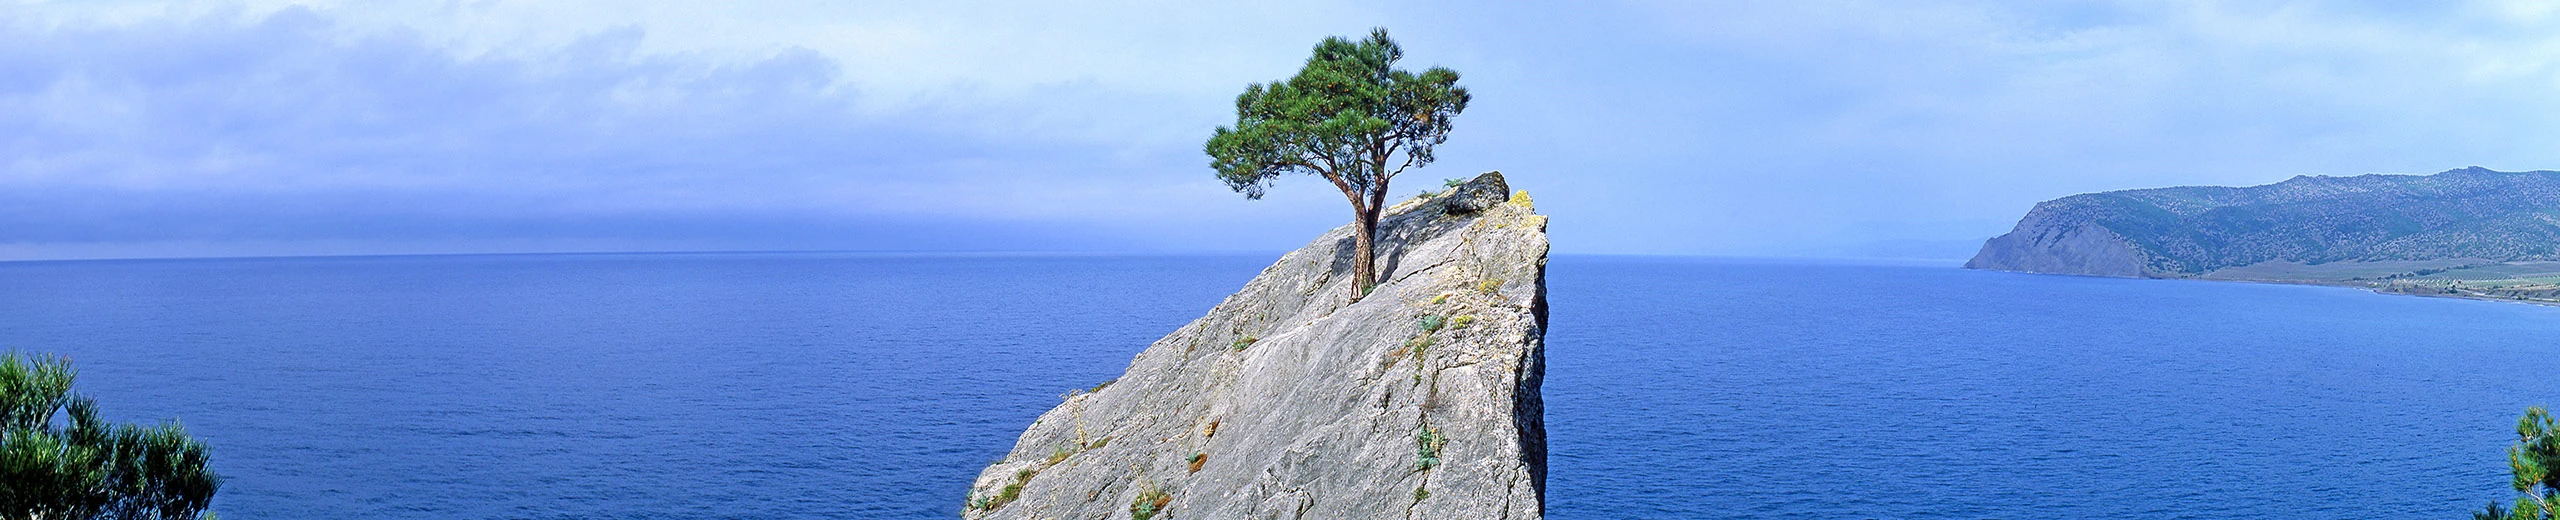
1349, 116
89, 469
2534, 463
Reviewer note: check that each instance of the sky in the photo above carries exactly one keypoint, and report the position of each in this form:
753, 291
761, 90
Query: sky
1803, 128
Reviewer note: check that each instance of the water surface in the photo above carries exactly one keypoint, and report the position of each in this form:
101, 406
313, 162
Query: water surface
874, 386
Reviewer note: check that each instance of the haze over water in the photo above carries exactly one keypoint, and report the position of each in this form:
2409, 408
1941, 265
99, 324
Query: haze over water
875, 386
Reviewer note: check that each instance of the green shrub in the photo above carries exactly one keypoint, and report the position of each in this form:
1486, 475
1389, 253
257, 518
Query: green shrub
1432, 324
1014, 490
1462, 321
1427, 444
1011, 491
1149, 503
1420, 344
1241, 343
1419, 493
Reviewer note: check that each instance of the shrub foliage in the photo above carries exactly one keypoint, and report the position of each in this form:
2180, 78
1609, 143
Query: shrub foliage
89, 469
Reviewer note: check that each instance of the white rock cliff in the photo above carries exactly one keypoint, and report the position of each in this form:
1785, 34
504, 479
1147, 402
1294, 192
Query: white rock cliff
1293, 399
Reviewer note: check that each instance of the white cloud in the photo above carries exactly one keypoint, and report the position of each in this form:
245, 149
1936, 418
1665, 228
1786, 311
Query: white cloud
1728, 127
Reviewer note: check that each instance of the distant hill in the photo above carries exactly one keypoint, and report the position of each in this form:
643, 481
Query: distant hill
2306, 229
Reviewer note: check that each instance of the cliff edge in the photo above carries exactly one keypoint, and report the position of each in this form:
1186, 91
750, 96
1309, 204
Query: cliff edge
1295, 399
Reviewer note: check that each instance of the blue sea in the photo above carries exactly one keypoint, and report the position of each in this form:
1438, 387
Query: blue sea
785, 386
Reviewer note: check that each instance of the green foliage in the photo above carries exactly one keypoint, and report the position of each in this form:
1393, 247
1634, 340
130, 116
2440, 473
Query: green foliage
1427, 443
1419, 493
89, 469
1012, 491
1462, 321
1349, 115
1419, 345
1246, 341
1149, 503
2534, 467
1432, 324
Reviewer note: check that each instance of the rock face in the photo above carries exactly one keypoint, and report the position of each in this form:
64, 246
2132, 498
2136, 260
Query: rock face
1294, 399
2470, 213
2085, 249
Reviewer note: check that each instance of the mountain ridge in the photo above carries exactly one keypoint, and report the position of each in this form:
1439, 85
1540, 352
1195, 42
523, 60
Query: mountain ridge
2193, 231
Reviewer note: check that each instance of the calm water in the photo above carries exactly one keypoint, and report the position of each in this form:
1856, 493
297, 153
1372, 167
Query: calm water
869, 386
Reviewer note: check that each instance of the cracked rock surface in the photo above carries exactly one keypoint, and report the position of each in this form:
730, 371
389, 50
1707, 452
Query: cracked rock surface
1297, 398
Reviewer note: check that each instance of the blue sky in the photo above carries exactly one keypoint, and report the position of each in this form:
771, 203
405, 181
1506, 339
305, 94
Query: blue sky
1797, 128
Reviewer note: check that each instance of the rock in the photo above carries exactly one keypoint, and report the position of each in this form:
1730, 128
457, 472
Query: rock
1484, 191
2040, 246
1291, 400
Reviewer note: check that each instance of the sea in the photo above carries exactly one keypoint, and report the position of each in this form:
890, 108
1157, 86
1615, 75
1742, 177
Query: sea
876, 385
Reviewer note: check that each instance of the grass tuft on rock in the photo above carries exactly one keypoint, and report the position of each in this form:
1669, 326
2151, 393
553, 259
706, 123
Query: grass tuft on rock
1011, 492
1149, 503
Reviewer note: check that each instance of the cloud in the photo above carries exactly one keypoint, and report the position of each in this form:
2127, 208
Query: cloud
292, 125
1677, 127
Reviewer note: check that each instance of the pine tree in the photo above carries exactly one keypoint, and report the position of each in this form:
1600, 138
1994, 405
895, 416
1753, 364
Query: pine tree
2534, 463
1349, 116
90, 469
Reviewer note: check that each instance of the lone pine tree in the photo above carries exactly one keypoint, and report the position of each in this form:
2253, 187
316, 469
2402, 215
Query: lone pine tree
1349, 116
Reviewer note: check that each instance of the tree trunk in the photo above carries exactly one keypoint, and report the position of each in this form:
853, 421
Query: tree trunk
1364, 255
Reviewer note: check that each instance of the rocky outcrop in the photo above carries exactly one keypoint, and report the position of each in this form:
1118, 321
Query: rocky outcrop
2042, 247
1297, 399
2470, 213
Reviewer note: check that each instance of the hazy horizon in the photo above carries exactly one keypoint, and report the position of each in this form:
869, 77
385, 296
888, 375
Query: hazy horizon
1802, 129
